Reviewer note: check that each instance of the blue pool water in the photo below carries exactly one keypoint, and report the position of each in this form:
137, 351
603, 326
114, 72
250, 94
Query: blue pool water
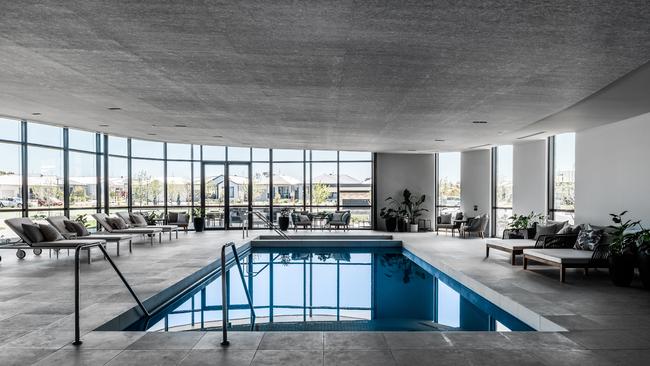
331, 289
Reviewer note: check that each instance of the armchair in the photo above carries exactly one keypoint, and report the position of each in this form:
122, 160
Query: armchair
476, 225
180, 219
339, 219
301, 219
450, 222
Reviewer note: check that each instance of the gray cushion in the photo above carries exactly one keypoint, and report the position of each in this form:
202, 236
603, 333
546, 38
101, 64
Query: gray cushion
116, 223
304, 219
33, 233
568, 229
551, 229
337, 216
445, 219
138, 220
459, 216
50, 233
76, 228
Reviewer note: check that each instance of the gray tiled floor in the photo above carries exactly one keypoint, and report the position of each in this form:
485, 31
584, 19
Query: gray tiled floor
607, 325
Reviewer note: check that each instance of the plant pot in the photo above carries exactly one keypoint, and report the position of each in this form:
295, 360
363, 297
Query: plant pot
199, 224
391, 224
621, 269
414, 228
401, 225
283, 222
644, 268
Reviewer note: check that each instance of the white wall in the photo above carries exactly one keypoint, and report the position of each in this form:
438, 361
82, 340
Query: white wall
613, 171
529, 177
475, 182
398, 171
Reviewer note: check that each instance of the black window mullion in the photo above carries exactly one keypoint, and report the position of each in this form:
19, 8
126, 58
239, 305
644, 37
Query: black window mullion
165, 180
66, 173
129, 201
23, 150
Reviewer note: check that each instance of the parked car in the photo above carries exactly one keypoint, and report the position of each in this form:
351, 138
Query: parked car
11, 202
51, 201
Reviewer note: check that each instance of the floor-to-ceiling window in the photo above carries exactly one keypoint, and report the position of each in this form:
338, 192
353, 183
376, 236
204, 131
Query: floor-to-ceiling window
502, 188
561, 203
448, 172
355, 186
83, 170
11, 173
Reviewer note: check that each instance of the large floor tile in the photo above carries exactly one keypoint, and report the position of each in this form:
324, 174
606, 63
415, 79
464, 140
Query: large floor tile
72, 357
287, 358
108, 340
414, 340
148, 358
167, 341
427, 357
352, 341
238, 340
292, 341
22, 356
215, 357
359, 358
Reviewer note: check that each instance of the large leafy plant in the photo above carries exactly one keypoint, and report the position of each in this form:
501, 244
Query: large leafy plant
522, 222
410, 208
623, 240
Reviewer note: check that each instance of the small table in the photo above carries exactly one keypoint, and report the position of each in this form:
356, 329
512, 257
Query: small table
461, 223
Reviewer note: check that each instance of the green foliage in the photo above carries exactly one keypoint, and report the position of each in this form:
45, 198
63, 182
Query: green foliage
198, 212
320, 193
522, 222
624, 241
82, 219
409, 208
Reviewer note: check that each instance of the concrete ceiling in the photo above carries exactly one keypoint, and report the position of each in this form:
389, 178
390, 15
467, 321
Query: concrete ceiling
353, 75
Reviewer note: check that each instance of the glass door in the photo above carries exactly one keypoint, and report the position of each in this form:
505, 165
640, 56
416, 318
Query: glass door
239, 193
213, 187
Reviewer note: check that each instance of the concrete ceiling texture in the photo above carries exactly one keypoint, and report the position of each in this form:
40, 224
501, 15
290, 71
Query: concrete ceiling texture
351, 75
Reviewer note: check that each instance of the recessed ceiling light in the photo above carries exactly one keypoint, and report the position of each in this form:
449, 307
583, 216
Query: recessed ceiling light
151, 134
218, 136
412, 150
114, 108
479, 122
531, 135
103, 125
478, 146
180, 126
439, 140
36, 114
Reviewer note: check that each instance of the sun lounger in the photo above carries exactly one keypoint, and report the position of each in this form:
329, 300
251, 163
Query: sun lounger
512, 246
16, 224
568, 258
145, 231
58, 222
165, 228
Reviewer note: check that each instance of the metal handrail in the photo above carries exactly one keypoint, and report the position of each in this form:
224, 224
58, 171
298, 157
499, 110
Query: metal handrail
268, 223
77, 332
224, 291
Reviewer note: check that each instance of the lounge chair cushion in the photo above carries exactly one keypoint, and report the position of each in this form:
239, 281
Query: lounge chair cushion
117, 223
569, 229
138, 220
445, 219
304, 219
563, 256
550, 229
76, 228
33, 233
50, 233
588, 239
511, 244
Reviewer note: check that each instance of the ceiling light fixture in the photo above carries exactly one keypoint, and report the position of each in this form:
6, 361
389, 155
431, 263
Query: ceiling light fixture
478, 146
479, 122
180, 126
36, 114
151, 134
103, 125
114, 108
439, 140
531, 135
218, 136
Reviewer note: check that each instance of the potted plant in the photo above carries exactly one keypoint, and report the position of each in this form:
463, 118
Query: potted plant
409, 209
198, 217
520, 226
82, 219
622, 250
283, 220
390, 215
643, 256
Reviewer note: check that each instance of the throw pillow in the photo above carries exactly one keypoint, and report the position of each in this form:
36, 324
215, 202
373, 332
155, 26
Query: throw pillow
337, 216
138, 220
304, 218
588, 239
33, 233
50, 233
445, 219
459, 216
116, 223
545, 230
568, 229
76, 228
172, 217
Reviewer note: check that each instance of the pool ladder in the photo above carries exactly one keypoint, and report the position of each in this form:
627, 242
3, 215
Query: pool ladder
269, 224
225, 288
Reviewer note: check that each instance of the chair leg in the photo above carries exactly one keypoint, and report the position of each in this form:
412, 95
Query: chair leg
118, 248
512, 258
487, 251
562, 273
130, 246
525, 262
88, 251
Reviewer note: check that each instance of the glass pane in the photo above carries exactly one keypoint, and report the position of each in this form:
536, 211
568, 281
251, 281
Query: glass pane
11, 179
196, 152
179, 151
323, 184
82, 140
118, 182
44, 134
239, 154
449, 179
359, 217
238, 184
117, 146
83, 179
45, 177
214, 217
287, 155
147, 182
5, 231
323, 155
86, 216
261, 189
564, 172
10, 129
504, 177
288, 186
260, 154
355, 155
146, 149
217, 153
179, 183
564, 216
502, 216
355, 286
214, 185
196, 170
355, 184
